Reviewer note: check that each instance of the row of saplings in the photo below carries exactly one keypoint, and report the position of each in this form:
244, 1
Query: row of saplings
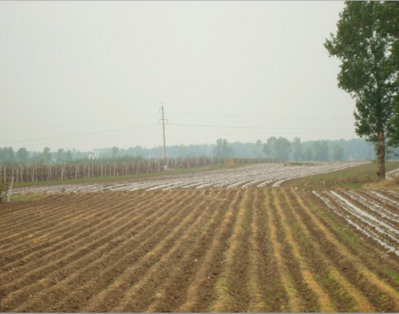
5, 189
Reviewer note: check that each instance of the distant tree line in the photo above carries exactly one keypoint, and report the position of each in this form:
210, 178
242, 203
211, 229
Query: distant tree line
272, 147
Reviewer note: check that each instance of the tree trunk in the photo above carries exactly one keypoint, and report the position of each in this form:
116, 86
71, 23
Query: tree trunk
381, 154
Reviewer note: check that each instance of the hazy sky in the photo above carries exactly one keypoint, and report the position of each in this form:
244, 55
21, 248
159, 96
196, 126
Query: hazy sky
87, 75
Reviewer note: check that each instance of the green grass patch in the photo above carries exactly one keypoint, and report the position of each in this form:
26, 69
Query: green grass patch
355, 177
126, 177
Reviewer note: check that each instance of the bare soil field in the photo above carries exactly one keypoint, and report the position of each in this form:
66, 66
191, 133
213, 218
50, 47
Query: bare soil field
255, 175
267, 249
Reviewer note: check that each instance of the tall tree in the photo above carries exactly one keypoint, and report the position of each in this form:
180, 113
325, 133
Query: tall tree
46, 155
308, 154
316, 152
222, 149
115, 151
367, 44
268, 147
338, 152
324, 153
68, 157
282, 147
320, 150
182, 151
60, 156
257, 150
7, 155
22, 155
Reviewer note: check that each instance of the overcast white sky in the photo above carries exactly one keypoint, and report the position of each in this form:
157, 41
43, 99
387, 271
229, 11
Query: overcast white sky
88, 75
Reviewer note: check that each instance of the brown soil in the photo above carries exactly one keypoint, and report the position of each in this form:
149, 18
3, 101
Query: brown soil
235, 250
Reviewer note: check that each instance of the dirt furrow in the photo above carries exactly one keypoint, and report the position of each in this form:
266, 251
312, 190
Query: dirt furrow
372, 208
255, 273
391, 206
324, 301
366, 249
163, 291
29, 227
346, 297
38, 213
392, 195
78, 239
106, 292
142, 290
200, 293
293, 297
271, 286
231, 294
380, 294
308, 298
54, 283
57, 268
59, 238
14, 212
377, 229
30, 232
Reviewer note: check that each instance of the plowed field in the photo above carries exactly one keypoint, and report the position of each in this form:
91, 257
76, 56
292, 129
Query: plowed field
254, 249
254, 175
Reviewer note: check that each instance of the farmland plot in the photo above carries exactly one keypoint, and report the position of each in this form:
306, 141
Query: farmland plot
258, 175
200, 250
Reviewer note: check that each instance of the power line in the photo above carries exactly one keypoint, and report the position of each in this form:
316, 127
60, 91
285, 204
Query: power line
49, 111
113, 108
260, 103
83, 123
82, 134
255, 127
109, 135
252, 132
263, 117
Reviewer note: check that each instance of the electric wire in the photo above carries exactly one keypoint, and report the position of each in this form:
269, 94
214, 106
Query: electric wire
83, 123
250, 132
260, 117
81, 134
255, 127
96, 137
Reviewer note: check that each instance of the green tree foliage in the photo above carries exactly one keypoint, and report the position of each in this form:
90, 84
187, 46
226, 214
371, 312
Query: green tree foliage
320, 150
282, 148
68, 157
7, 155
297, 149
324, 153
60, 156
115, 151
308, 154
22, 155
258, 149
367, 45
182, 151
268, 147
338, 152
46, 155
223, 149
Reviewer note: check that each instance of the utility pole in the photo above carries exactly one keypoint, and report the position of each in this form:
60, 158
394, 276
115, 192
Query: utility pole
164, 141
